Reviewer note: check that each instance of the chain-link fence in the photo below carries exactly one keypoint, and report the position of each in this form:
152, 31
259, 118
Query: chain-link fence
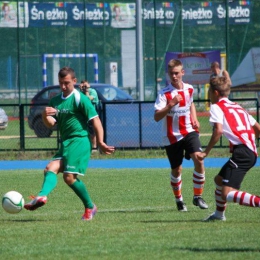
126, 125
17, 134
133, 126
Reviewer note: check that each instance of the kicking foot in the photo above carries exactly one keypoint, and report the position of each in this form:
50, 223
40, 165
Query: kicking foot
36, 202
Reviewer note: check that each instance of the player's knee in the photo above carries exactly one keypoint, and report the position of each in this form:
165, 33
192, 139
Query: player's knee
48, 169
176, 172
224, 196
196, 160
55, 166
218, 180
68, 179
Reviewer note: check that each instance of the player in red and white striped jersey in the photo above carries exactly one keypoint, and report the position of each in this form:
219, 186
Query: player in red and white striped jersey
241, 129
174, 105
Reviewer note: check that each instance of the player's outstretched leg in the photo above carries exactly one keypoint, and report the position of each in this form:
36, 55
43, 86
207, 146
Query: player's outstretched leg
243, 198
49, 183
235, 196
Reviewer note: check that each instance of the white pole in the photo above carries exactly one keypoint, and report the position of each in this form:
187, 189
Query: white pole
139, 51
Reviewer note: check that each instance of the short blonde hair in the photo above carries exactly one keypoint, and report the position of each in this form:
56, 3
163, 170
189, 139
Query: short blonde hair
174, 63
221, 85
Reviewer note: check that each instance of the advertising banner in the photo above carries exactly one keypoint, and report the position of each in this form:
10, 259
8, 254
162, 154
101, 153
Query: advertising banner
215, 13
196, 65
160, 14
69, 14
121, 15
89, 15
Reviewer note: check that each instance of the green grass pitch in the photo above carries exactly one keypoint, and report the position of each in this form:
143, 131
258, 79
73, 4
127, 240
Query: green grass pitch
137, 219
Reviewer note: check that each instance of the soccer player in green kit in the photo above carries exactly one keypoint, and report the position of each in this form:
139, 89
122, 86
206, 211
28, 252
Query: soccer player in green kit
71, 110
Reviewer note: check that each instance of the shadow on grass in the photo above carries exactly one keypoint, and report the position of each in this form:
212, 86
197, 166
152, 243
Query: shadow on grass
140, 211
217, 249
22, 220
127, 211
170, 221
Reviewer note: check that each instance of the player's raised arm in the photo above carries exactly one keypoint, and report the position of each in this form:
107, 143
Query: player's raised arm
47, 116
160, 114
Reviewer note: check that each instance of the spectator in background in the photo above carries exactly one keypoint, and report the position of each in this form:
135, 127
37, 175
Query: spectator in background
93, 96
217, 72
159, 80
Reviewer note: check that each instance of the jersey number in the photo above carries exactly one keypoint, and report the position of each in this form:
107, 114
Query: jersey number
240, 114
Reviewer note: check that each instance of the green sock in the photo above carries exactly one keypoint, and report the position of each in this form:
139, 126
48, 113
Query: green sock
80, 189
49, 183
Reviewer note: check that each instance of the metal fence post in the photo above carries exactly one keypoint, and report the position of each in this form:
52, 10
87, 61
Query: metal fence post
140, 125
104, 121
22, 132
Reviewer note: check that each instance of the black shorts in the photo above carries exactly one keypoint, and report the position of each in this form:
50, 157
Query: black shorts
235, 169
189, 144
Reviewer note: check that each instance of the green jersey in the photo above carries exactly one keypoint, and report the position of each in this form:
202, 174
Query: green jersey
73, 113
93, 93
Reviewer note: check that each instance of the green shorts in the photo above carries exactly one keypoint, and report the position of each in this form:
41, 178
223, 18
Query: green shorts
75, 154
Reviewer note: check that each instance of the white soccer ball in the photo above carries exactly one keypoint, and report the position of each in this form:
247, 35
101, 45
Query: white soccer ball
13, 202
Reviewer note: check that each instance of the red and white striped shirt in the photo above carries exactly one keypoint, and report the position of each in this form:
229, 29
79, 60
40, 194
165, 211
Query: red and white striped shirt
177, 123
237, 123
